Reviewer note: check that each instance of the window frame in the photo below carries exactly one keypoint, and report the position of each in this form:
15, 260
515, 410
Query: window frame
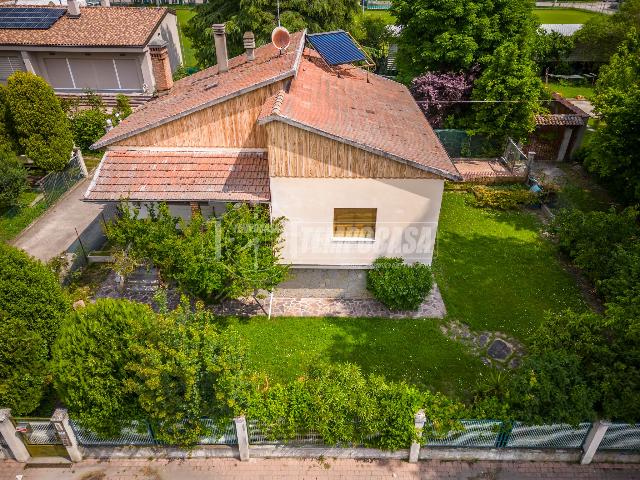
344, 224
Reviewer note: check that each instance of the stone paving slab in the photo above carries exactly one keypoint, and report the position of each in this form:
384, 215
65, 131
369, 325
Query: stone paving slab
256, 469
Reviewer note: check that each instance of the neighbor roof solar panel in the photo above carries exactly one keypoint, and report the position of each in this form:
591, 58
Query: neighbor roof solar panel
336, 48
29, 18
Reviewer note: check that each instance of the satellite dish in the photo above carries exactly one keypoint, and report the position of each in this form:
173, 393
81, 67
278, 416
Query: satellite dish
280, 38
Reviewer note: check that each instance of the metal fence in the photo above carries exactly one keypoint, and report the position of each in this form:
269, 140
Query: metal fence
41, 431
55, 184
621, 436
459, 144
260, 435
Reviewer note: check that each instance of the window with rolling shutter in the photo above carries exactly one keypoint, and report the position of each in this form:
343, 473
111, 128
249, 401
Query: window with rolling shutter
354, 222
10, 64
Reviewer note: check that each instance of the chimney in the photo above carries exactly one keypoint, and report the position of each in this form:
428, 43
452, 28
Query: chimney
105, 3
220, 38
160, 65
249, 44
73, 8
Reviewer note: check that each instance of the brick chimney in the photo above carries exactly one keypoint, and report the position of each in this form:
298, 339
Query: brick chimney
220, 39
160, 65
73, 8
249, 45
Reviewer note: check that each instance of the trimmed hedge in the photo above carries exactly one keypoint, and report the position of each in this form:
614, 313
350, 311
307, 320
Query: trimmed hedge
399, 286
13, 178
503, 198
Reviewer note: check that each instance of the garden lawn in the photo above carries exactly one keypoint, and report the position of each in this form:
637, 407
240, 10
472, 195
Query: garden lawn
494, 270
571, 91
411, 350
563, 15
15, 219
188, 53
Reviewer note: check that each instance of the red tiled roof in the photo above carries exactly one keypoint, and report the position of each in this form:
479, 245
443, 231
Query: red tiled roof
96, 27
561, 119
362, 109
209, 87
181, 176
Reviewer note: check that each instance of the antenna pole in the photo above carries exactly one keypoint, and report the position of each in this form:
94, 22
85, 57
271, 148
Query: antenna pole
278, 12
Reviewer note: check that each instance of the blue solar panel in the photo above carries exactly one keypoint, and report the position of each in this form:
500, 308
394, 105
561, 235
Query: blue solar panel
29, 18
336, 48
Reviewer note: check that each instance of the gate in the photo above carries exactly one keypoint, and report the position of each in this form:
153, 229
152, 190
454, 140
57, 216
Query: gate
40, 437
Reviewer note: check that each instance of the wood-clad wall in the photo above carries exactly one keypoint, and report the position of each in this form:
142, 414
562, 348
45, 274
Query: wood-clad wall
229, 124
294, 152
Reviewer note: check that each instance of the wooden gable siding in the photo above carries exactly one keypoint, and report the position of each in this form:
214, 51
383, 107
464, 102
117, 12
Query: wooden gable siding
294, 152
229, 124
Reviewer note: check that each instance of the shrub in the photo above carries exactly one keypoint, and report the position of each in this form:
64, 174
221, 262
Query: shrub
30, 293
88, 126
13, 178
399, 286
123, 107
90, 359
502, 198
23, 366
41, 127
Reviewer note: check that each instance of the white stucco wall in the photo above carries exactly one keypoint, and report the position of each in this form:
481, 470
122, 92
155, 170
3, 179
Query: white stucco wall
406, 224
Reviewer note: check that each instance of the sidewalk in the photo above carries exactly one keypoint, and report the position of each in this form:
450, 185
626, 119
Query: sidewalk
55, 231
290, 469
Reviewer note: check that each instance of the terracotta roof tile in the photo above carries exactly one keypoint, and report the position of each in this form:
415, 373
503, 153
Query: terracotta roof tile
362, 109
561, 119
181, 176
209, 87
96, 27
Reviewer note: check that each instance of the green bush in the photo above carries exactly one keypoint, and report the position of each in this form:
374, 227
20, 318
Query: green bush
503, 198
88, 127
123, 108
23, 366
30, 293
13, 178
41, 126
399, 286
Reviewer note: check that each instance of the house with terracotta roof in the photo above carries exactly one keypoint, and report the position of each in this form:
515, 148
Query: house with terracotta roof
105, 49
346, 156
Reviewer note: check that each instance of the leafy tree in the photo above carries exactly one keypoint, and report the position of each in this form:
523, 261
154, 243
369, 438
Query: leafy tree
453, 35
397, 285
7, 140
123, 107
612, 153
260, 17
550, 51
230, 257
30, 293
13, 178
88, 126
373, 33
23, 366
183, 371
40, 125
437, 94
602, 35
511, 80
90, 359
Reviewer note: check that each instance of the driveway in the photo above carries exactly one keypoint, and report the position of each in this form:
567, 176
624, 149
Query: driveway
55, 231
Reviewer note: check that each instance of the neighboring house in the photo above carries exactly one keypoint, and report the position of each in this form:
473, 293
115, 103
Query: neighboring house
345, 155
105, 49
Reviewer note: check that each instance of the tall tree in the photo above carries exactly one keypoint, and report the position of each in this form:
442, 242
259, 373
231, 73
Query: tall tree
260, 17
613, 153
452, 35
41, 127
511, 89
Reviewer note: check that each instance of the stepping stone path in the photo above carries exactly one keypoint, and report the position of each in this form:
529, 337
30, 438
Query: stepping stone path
494, 348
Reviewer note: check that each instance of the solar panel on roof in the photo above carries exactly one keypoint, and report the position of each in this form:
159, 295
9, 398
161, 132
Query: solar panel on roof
29, 18
336, 48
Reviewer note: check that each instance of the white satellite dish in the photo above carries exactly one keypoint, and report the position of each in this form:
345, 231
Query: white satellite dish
280, 38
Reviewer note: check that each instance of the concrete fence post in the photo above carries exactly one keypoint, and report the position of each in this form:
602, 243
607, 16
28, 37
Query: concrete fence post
593, 440
11, 438
243, 437
414, 452
60, 420
81, 164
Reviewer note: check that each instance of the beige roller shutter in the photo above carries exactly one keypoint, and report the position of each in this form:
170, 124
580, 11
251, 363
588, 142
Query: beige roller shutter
10, 64
58, 72
129, 74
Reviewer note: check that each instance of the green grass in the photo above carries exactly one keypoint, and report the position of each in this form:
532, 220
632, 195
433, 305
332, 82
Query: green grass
571, 91
411, 350
188, 53
15, 219
494, 270
389, 19
563, 15
581, 191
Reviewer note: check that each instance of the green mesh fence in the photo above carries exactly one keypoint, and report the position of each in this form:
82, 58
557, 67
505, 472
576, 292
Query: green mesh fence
459, 144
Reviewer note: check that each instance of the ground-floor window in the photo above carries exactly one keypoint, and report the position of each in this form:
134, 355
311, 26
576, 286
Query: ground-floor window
354, 222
